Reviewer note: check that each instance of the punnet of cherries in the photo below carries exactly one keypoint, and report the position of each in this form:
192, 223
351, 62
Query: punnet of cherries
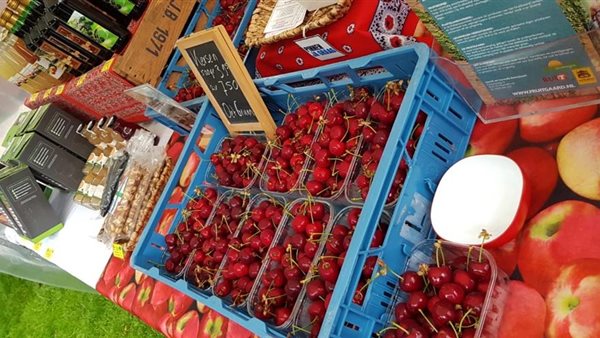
289, 261
382, 115
214, 238
325, 271
335, 148
238, 161
187, 237
444, 299
248, 249
291, 148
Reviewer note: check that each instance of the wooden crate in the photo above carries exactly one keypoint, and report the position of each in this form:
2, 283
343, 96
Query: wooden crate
150, 47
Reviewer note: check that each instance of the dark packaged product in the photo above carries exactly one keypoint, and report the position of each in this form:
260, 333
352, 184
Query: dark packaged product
66, 45
23, 205
61, 128
91, 22
123, 128
36, 43
49, 162
63, 30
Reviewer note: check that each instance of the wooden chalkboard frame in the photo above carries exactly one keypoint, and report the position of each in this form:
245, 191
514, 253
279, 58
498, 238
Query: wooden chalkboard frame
230, 55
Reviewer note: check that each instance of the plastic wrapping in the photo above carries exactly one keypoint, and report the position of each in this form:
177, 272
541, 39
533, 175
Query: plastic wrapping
115, 170
144, 160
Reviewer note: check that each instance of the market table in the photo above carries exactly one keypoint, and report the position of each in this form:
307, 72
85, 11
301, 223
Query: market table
562, 228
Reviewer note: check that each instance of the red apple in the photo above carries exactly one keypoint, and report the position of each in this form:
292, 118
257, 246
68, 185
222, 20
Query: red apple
176, 196
166, 220
559, 234
234, 330
492, 138
189, 170
127, 296
124, 275
541, 173
188, 326
112, 268
574, 300
174, 150
142, 306
524, 313
179, 303
546, 127
160, 297
213, 325
506, 256
166, 324
578, 159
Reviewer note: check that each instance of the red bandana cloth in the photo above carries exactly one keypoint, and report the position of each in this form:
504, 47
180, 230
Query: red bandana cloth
368, 27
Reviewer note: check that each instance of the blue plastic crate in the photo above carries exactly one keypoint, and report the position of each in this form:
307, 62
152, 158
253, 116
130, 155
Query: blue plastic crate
443, 142
208, 9
210, 13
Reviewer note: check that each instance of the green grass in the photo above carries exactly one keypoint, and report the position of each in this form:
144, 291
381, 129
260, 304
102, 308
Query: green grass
32, 310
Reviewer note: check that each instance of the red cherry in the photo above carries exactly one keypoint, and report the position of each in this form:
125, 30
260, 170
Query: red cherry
223, 288
310, 248
401, 312
282, 314
316, 309
314, 230
367, 270
411, 282
315, 289
299, 223
329, 270
480, 270
293, 288
416, 301
474, 301
443, 312
464, 279
276, 253
439, 275
321, 174
337, 148
452, 292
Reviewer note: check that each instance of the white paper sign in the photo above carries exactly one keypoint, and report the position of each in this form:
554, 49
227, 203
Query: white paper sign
287, 14
312, 5
318, 48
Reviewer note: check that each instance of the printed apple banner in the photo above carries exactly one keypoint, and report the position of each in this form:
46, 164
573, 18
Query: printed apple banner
556, 255
165, 309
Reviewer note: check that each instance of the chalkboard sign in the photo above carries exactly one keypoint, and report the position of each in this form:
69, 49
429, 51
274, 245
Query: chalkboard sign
223, 76
219, 79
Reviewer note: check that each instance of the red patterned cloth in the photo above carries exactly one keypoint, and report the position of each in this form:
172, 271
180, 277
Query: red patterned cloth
368, 27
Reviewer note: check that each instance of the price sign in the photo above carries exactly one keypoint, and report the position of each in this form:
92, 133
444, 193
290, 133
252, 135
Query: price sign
223, 76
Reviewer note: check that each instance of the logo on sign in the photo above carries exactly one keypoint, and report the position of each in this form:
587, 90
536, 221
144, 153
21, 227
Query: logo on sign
318, 48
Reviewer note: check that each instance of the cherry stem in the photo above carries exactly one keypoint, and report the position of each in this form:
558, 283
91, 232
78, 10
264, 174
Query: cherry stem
428, 321
484, 235
462, 320
454, 330
396, 325
439, 252
469, 256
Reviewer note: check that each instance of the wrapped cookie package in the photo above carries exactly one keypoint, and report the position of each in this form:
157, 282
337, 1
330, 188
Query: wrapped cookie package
145, 167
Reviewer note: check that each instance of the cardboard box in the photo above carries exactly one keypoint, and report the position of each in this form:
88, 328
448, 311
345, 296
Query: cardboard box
59, 127
49, 162
23, 205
